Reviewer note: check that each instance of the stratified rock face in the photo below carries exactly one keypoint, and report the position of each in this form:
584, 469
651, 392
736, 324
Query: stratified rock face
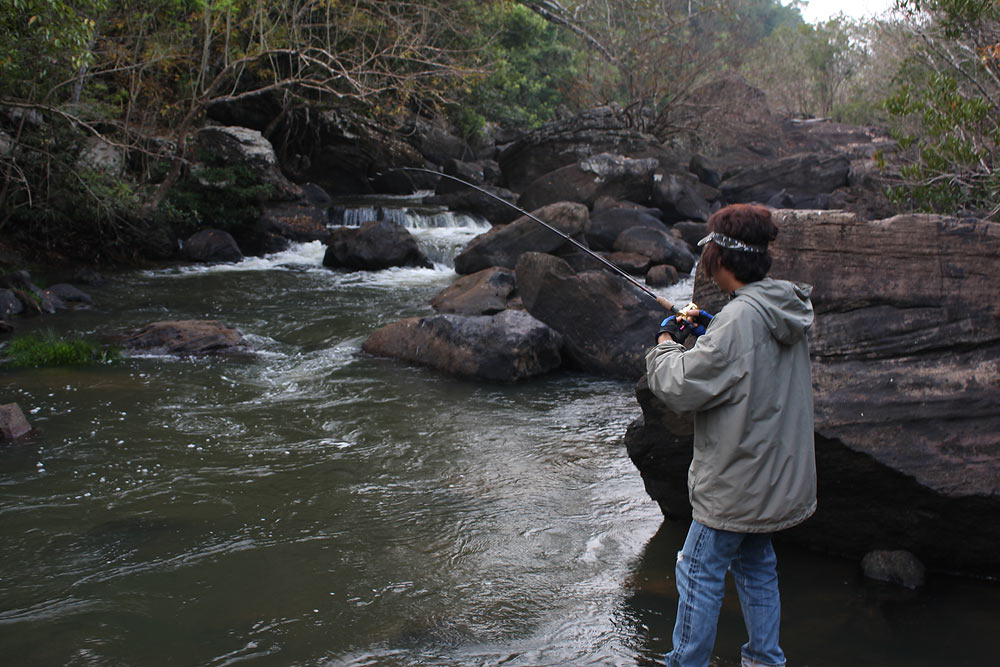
906, 375
805, 177
507, 347
186, 337
607, 324
375, 245
501, 246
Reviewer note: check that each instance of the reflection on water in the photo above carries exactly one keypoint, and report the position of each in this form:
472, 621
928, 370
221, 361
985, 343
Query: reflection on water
311, 505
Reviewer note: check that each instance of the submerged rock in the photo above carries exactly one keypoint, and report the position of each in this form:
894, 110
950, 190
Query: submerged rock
13, 425
186, 337
507, 347
895, 567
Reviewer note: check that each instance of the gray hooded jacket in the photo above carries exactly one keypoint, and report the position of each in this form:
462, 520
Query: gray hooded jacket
748, 382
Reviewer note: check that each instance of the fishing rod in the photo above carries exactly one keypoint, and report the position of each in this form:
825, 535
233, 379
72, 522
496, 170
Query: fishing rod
662, 301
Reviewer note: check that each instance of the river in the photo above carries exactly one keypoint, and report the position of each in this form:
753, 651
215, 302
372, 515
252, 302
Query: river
308, 504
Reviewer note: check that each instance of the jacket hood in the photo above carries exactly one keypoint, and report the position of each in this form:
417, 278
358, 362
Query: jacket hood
785, 306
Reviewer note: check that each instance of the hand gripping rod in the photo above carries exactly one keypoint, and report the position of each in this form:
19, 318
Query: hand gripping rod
648, 292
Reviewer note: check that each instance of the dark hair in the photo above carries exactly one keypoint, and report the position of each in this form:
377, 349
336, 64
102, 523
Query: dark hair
750, 223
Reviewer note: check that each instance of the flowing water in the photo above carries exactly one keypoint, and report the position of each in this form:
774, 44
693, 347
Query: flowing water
310, 505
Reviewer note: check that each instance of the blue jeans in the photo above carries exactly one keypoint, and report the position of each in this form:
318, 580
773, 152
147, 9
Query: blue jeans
701, 575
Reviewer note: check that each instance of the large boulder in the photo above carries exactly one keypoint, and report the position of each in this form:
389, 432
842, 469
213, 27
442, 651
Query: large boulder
211, 246
906, 371
806, 177
679, 197
606, 224
603, 175
185, 338
486, 292
246, 147
606, 322
565, 142
506, 347
660, 246
502, 245
375, 245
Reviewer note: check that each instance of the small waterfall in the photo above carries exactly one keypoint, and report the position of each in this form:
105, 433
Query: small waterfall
440, 233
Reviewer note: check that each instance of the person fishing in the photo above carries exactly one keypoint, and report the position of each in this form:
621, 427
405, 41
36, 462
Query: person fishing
753, 472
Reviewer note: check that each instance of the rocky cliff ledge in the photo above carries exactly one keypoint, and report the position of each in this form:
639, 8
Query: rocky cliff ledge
906, 375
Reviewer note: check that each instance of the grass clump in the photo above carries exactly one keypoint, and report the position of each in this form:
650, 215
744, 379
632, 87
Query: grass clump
50, 350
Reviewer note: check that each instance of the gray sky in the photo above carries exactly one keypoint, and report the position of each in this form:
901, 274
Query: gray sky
821, 10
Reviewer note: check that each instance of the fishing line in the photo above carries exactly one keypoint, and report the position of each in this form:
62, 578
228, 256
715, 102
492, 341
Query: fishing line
648, 292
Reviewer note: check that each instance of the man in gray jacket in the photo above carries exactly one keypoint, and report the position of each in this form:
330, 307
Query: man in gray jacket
747, 381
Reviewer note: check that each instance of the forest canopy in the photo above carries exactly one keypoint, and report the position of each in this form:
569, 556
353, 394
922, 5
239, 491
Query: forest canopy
140, 75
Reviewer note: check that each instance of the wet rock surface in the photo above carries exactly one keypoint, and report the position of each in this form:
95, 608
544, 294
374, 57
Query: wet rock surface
186, 337
507, 347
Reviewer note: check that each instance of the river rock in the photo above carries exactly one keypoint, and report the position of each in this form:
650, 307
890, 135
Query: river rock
374, 246
606, 323
679, 197
690, 233
565, 142
67, 293
486, 292
896, 567
602, 175
34, 300
506, 347
906, 371
185, 337
606, 224
660, 246
9, 303
704, 171
212, 245
247, 147
502, 245
662, 275
632, 263
13, 425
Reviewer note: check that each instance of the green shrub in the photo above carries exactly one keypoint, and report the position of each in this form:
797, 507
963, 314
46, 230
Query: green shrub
49, 350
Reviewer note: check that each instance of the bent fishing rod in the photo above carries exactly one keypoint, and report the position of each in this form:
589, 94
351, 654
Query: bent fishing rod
662, 301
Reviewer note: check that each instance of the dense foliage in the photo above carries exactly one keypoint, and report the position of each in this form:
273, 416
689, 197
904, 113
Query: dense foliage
946, 108
98, 99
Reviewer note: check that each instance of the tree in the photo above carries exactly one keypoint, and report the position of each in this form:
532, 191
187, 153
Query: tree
946, 107
648, 56
141, 75
527, 66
